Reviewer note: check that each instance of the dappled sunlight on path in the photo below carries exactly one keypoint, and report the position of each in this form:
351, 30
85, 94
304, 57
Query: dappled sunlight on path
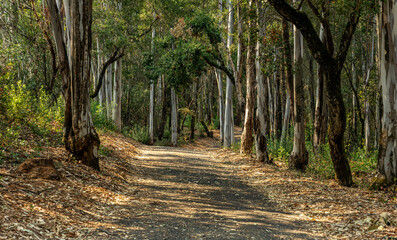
191, 195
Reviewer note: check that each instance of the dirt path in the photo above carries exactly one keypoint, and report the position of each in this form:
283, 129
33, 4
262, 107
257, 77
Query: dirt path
196, 192
195, 196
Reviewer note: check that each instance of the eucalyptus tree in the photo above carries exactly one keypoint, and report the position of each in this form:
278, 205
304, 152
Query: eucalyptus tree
299, 156
73, 40
262, 118
246, 137
387, 162
229, 128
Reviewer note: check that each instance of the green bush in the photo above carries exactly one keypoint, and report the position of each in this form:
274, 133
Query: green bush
138, 133
22, 112
320, 162
99, 117
361, 161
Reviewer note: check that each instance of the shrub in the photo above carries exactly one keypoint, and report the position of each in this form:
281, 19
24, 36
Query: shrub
138, 133
99, 117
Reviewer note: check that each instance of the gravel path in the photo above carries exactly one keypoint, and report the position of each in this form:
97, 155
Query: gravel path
192, 195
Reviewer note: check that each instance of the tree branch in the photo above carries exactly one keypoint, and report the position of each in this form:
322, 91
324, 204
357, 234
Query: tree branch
303, 23
221, 67
348, 34
116, 56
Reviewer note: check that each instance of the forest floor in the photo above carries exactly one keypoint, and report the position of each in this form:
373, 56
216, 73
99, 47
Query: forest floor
197, 191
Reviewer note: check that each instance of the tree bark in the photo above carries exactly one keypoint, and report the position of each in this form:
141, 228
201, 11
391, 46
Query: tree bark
194, 109
151, 106
367, 73
387, 162
239, 87
174, 120
246, 137
109, 92
74, 53
117, 96
277, 127
262, 118
299, 157
164, 105
288, 62
229, 86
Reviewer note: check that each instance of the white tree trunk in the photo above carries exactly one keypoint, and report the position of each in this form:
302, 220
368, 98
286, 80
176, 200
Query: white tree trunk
220, 88
299, 156
261, 112
174, 118
387, 30
229, 86
370, 63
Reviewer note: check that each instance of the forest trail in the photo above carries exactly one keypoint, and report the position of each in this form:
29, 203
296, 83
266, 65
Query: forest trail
197, 191
197, 196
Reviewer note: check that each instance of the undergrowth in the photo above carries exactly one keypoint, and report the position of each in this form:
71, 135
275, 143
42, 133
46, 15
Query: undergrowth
28, 121
31, 121
320, 161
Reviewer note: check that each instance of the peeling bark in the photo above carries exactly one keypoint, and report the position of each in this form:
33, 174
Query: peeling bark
387, 31
74, 53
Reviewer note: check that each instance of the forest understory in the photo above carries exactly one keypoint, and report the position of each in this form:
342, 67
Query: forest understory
155, 192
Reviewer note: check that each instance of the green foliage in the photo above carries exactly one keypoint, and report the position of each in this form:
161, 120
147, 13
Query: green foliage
25, 112
99, 117
320, 162
280, 151
204, 25
138, 133
236, 146
361, 161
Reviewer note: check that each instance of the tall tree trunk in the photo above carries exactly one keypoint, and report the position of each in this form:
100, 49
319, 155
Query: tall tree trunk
151, 106
354, 103
74, 53
194, 109
174, 120
164, 105
221, 107
277, 103
288, 62
271, 105
299, 157
262, 118
117, 96
287, 114
246, 137
239, 87
229, 86
369, 65
320, 115
109, 92
387, 162
311, 89
102, 91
